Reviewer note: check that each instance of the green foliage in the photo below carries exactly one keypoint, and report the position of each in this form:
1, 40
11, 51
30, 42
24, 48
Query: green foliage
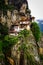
31, 60
8, 42
23, 38
12, 40
3, 29
23, 47
24, 32
10, 7
4, 7
42, 33
1, 57
41, 56
0, 46
1, 6
36, 31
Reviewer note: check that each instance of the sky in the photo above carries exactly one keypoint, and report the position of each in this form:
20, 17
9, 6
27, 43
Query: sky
36, 7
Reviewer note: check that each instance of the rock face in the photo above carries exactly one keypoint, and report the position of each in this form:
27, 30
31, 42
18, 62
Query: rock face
18, 3
19, 13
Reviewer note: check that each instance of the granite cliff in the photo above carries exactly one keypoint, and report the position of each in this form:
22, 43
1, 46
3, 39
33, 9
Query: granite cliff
18, 3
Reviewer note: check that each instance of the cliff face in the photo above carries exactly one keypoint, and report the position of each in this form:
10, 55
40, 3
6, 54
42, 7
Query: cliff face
18, 3
15, 10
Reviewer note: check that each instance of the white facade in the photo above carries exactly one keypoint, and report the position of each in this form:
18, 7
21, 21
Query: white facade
24, 22
16, 28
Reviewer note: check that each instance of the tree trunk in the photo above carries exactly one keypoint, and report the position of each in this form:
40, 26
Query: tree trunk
8, 54
6, 61
37, 47
22, 60
38, 52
